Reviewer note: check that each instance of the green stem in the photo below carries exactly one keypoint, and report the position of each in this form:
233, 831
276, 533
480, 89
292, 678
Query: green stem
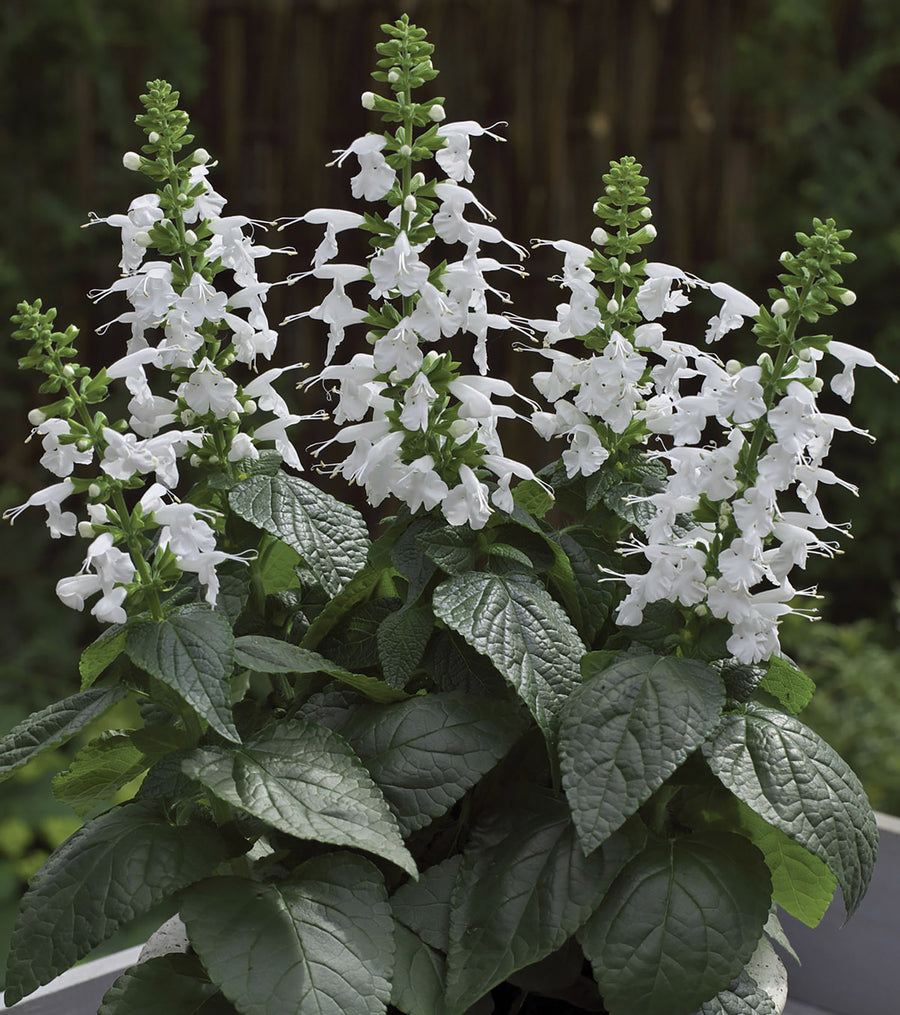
137, 556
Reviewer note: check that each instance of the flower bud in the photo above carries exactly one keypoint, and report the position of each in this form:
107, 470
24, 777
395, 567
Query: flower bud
625, 268
153, 137
36, 417
393, 75
436, 112
68, 371
142, 239
816, 384
599, 236
190, 237
188, 416
612, 307
201, 157
848, 297
732, 367
86, 530
371, 337
417, 181
405, 151
780, 307
84, 444
234, 416
132, 161
785, 255
195, 460
764, 360
368, 100
646, 213
409, 202
598, 207
805, 355
249, 407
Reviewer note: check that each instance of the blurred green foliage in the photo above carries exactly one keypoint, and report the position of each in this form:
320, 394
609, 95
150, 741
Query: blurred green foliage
856, 707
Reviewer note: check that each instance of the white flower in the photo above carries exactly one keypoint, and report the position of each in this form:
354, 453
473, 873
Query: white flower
417, 400
843, 384
209, 390
419, 485
375, 177
467, 503
60, 523
398, 267
397, 352
335, 220
200, 302
586, 453
454, 159
59, 458
735, 307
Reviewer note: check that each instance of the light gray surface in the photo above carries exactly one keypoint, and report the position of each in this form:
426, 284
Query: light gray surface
78, 991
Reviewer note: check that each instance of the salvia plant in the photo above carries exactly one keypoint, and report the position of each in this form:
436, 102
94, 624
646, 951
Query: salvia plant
531, 734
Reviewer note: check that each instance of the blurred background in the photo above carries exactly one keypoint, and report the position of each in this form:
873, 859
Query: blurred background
749, 116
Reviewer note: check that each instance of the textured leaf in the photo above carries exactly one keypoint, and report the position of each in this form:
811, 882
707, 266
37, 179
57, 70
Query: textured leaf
269, 655
577, 578
410, 560
743, 997
176, 984
427, 752
524, 887
792, 687
360, 587
306, 781
450, 547
111, 870
402, 637
522, 630
278, 568
234, 591
454, 665
99, 654
191, 651
420, 975
54, 725
678, 924
329, 535
625, 731
796, 782
424, 905
801, 883
98, 771
321, 942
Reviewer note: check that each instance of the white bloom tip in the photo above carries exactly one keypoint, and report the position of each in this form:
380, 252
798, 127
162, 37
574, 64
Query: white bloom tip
612, 307
437, 113
153, 137
780, 307
36, 417
132, 161
409, 202
142, 239
201, 157
86, 530
368, 100
646, 213
848, 297
190, 237
599, 236
405, 151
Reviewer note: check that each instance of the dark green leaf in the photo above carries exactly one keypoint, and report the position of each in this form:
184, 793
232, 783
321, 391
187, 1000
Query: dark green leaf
576, 576
522, 630
411, 561
329, 535
304, 780
625, 731
424, 905
451, 548
176, 984
269, 655
454, 665
278, 568
234, 591
359, 587
678, 924
427, 752
402, 637
420, 975
321, 942
111, 870
54, 725
355, 643
524, 887
793, 780
191, 651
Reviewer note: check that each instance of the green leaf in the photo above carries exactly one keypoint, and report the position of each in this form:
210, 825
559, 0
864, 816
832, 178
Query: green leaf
577, 578
424, 905
99, 654
744, 996
304, 780
54, 725
793, 780
110, 871
522, 630
452, 548
411, 561
321, 942
278, 568
678, 924
801, 883
420, 975
176, 984
427, 752
532, 497
626, 730
402, 637
98, 771
191, 651
359, 587
524, 887
234, 591
269, 655
792, 687
330, 536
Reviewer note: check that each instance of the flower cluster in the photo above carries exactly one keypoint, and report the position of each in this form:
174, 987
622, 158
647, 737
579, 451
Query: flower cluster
743, 445
419, 429
185, 333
